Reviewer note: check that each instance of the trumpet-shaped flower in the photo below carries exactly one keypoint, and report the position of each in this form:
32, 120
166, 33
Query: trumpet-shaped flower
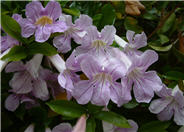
144, 83
171, 103
26, 79
95, 41
75, 31
102, 85
135, 42
42, 21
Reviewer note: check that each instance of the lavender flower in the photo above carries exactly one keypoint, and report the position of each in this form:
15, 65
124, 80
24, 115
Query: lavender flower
26, 79
171, 103
96, 42
135, 42
102, 85
42, 21
145, 83
75, 31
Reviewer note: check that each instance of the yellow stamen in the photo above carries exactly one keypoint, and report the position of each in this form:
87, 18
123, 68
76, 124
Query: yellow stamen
43, 21
98, 43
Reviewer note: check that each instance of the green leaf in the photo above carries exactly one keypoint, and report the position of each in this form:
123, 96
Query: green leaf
163, 39
93, 108
178, 54
162, 49
42, 48
11, 27
72, 11
67, 108
149, 16
174, 75
154, 126
15, 54
169, 23
130, 105
108, 15
113, 118
91, 125
96, 19
131, 23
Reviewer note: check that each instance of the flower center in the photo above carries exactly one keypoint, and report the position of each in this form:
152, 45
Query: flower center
135, 74
43, 21
98, 44
103, 77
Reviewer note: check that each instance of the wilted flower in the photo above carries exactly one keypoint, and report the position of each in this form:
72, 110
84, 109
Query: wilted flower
26, 79
75, 31
42, 21
171, 103
13, 100
144, 83
102, 85
66, 127
111, 128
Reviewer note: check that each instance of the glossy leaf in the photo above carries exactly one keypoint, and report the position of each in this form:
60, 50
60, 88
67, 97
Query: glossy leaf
161, 48
132, 24
154, 126
91, 125
67, 108
174, 75
15, 54
42, 48
11, 27
113, 118
108, 15
72, 11
163, 39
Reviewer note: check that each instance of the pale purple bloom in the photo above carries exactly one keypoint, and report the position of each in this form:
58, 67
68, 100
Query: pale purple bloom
95, 41
135, 42
171, 103
75, 31
144, 82
26, 79
102, 85
13, 101
42, 21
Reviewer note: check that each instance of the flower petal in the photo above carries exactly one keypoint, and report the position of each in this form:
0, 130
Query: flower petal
62, 127
83, 92
101, 92
179, 116
142, 91
140, 40
12, 102
108, 34
15, 66
80, 125
40, 89
83, 22
166, 114
59, 26
33, 65
21, 82
42, 33
33, 10
178, 96
129, 36
27, 28
53, 10
62, 43
146, 59
159, 105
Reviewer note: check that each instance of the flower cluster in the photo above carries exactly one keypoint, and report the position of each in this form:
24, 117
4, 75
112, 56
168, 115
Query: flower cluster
94, 72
